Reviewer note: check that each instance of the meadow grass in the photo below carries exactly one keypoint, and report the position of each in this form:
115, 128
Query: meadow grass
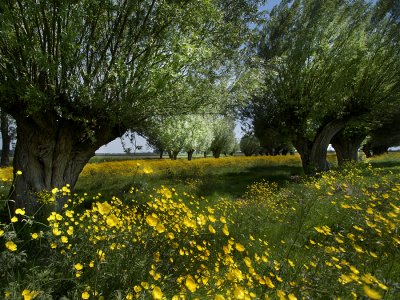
233, 228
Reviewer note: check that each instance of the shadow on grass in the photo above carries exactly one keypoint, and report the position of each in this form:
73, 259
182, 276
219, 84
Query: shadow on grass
233, 184
229, 184
393, 165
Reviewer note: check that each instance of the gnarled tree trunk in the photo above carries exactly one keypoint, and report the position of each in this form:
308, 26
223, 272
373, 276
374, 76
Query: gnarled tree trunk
346, 146
216, 153
51, 153
190, 154
313, 153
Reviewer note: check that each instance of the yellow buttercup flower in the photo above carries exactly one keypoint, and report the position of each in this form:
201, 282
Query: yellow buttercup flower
371, 293
225, 230
239, 293
211, 229
112, 220
157, 293
28, 295
152, 220
20, 211
85, 295
10, 245
147, 170
239, 247
190, 284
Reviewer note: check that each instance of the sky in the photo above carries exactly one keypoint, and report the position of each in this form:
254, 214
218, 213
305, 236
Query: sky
116, 147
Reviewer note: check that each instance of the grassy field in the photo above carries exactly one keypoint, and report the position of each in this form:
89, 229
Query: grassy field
232, 228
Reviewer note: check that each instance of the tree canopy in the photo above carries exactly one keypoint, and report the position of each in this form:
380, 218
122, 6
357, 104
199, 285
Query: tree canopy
77, 74
327, 63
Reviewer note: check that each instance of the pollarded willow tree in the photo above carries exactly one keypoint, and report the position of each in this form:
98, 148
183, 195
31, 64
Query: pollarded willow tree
224, 138
374, 92
316, 56
77, 74
187, 133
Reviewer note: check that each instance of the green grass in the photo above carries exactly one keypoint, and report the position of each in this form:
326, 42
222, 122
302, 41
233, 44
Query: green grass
332, 236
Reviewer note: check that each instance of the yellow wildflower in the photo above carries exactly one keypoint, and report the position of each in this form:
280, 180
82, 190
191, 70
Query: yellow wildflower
190, 283
10, 245
85, 295
157, 293
225, 230
112, 220
371, 293
239, 293
20, 211
147, 170
28, 295
152, 220
211, 229
239, 247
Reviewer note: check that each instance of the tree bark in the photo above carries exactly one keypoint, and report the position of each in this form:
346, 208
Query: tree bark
313, 153
51, 153
216, 153
175, 155
190, 154
5, 153
346, 146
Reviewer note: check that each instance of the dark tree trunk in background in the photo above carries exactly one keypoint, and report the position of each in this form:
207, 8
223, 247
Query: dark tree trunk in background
313, 153
170, 155
346, 146
161, 153
190, 154
379, 150
216, 153
51, 153
5, 153
367, 150
174, 155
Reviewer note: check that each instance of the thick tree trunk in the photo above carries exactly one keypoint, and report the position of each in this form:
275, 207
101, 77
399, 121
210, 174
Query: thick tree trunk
313, 153
5, 153
346, 146
170, 155
175, 155
205, 154
367, 150
190, 154
216, 154
51, 153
